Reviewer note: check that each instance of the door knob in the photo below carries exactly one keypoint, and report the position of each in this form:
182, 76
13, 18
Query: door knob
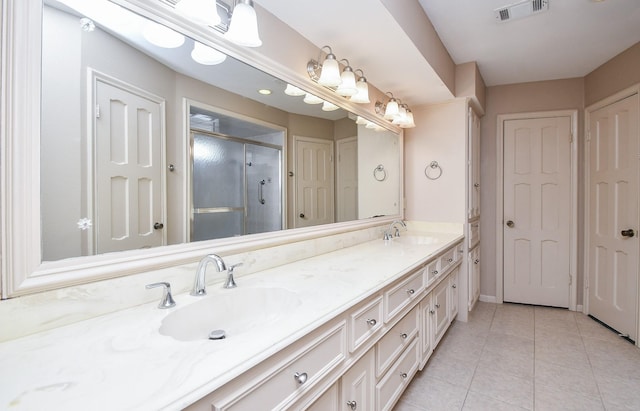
510, 224
158, 226
628, 233
301, 215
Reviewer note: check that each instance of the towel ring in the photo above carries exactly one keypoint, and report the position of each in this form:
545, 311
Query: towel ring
433, 166
379, 173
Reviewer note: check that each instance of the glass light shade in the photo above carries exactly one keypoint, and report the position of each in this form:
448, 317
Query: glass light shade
410, 122
348, 85
392, 109
162, 36
330, 74
370, 125
326, 106
243, 28
293, 91
401, 117
201, 11
362, 96
311, 99
361, 121
206, 55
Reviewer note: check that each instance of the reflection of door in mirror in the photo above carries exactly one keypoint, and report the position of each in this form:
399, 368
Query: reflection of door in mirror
313, 166
236, 177
129, 187
347, 179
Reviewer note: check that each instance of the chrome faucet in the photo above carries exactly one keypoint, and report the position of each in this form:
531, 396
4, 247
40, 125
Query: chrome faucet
199, 286
387, 233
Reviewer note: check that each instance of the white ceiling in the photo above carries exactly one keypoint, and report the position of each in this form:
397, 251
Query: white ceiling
570, 40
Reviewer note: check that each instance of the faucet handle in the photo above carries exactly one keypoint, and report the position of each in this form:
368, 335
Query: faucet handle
231, 283
167, 300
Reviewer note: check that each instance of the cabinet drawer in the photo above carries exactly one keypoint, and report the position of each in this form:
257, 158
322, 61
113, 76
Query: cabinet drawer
282, 385
401, 295
432, 271
395, 341
329, 400
364, 322
396, 380
447, 259
474, 234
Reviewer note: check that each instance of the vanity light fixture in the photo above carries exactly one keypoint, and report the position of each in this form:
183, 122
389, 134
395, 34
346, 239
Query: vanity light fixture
347, 87
410, 122
329, 69
206, 55
162, 36
392, 109
362, 96
397, 112
362, 121
243, 27
293, 91
200, 11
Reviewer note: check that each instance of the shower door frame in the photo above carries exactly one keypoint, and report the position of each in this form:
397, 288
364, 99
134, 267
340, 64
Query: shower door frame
188, 104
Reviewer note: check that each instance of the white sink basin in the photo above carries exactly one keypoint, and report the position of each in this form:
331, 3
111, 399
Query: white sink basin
416, 240
235, 311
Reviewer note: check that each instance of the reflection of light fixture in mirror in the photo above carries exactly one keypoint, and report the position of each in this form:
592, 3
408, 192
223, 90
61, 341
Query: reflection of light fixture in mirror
87, 25
329, 69
347, 85
326, 106
243, 28
293, 91
162, 36
200, 11
206, 55
361, 121
401, 117
311, 99
362, 96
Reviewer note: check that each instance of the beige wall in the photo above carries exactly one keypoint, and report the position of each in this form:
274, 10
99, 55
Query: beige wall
519, 98
616, 74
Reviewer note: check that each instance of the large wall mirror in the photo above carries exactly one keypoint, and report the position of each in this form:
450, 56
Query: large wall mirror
151, 142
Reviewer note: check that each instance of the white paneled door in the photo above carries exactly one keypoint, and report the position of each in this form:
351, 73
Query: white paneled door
613, 214
128, 183
347, 179
537, 210
314, 181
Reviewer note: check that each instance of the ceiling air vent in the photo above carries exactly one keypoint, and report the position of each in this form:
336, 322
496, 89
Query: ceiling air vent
521, 9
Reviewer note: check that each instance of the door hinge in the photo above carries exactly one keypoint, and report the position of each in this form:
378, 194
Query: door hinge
97, 110
571, 138
570, 279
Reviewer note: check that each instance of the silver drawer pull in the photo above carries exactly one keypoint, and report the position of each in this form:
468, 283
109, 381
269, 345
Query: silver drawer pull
352, 404
411, 291
372, 322
403, 375
434, 272
476, 261
454, 286
437, 305
403, 336
432, 312
300, 378
450, 260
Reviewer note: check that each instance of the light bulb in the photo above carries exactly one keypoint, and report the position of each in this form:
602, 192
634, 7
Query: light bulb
330, 74
348, 85
362, 96
392, 109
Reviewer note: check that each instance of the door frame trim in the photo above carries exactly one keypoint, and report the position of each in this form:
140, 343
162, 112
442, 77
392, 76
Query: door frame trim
621, 95
573, 238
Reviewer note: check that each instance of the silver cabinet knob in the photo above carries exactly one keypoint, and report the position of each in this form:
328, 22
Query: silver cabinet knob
158, 226
300, 378
411, 291
403, 336
437, 305
450, 260
476, 261
434, 272
510, 224
372, 322
301, 215
352, 404
403, 375
476, 185
432, 311
454, 286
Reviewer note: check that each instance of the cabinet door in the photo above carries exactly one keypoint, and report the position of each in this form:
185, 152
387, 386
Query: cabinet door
426, 330
358, 385
440, 311
474, 276
473, 206
329, 400
453, 293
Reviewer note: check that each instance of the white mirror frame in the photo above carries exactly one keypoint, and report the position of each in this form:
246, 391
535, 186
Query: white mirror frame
23, 271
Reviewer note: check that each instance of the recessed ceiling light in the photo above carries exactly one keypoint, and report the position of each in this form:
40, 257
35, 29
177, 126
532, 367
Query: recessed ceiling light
264, 91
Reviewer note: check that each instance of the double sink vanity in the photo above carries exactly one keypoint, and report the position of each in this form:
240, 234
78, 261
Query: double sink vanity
347, 329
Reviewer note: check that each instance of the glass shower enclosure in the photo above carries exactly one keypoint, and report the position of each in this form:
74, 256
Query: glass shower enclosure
236, 182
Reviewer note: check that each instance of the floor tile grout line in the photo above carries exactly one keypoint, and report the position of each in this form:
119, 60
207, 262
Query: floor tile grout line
593, 374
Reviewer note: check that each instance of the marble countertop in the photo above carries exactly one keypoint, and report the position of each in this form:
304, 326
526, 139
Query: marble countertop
120, 361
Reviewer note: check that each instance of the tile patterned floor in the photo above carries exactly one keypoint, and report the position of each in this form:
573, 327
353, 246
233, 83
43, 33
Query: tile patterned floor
518, 357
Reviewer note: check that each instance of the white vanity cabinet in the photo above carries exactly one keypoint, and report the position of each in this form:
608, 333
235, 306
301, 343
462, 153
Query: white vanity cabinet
453, 293
473, 263
364, 358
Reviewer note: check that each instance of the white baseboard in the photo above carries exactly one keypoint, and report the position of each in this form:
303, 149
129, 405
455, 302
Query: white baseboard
487, 298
